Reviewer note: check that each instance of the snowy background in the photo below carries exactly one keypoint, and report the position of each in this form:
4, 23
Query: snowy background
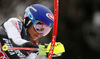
78, 27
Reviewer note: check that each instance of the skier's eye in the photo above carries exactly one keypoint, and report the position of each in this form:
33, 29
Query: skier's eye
40, 23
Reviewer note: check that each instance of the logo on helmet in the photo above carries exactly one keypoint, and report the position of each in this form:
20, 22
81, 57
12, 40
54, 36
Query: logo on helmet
30, 16
50, 16
33, 8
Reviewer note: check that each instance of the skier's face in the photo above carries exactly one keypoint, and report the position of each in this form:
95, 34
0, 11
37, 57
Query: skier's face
34, 34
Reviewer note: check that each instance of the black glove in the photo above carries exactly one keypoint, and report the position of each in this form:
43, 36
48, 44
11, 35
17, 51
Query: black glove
30, 45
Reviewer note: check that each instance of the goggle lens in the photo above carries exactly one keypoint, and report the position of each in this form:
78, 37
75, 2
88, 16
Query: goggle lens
41, 27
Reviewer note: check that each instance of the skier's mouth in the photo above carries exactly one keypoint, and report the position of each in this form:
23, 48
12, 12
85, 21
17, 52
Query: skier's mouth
36, 35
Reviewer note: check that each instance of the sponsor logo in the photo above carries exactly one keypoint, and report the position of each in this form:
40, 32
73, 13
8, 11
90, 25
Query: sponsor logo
33, 9
50, 16
52, 47
30, 16
20, 25
13, 51
2, 54
17, 25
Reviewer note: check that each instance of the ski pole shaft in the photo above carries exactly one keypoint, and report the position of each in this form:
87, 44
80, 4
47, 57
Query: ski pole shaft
5, 48
56, 4
22, 48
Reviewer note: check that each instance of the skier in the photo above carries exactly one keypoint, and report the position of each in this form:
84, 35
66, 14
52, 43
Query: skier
38, 21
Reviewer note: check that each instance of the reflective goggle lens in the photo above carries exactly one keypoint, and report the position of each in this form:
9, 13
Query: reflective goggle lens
41, 27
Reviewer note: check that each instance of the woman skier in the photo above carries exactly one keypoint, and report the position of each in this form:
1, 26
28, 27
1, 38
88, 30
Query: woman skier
38, 21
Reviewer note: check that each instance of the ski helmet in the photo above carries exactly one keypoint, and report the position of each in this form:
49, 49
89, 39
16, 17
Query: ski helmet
37, 12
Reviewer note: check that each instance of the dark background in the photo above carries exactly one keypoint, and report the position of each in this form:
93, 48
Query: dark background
78, 29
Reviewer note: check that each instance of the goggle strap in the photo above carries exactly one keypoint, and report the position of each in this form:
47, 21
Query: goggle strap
31, 17
35, 22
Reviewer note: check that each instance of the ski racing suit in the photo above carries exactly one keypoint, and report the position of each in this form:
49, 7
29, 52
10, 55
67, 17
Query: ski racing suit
11, 35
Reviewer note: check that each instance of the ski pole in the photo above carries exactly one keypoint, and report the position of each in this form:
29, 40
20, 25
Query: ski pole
5, 48
56, 4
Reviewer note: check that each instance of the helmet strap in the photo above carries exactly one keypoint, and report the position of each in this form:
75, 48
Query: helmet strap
27, 22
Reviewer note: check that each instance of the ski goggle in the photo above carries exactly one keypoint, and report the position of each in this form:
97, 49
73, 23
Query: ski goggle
41, 27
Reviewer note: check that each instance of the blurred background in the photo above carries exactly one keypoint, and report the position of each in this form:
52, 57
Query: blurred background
78, 26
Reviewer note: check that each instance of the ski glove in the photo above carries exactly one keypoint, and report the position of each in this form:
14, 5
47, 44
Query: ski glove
30, 45
58, 49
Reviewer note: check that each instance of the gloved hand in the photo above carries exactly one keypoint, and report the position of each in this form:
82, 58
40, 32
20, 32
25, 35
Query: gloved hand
30, 45
58, 49
42, 50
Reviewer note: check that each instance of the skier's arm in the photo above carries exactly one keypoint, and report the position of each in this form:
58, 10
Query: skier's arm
13, 28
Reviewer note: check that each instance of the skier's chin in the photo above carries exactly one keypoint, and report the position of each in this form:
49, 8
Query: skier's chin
30, 37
